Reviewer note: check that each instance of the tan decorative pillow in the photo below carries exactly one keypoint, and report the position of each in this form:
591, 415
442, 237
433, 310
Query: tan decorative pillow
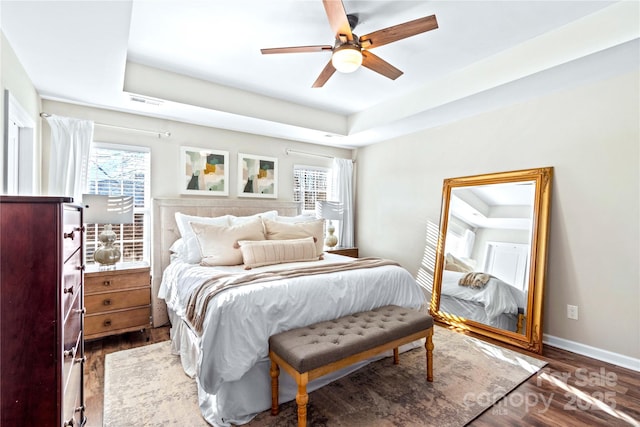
218, 244
267, 252
275, 230
191, 250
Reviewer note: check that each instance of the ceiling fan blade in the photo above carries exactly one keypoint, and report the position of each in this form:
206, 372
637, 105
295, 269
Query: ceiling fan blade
324, 75
338, 18
296, 49
379, 65
398, 32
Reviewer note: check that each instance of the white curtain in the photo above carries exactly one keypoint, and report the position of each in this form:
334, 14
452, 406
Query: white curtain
468, 239
69, 158
342, 191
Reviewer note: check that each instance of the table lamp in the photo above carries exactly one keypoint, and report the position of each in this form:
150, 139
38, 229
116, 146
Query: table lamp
330, 210
107, 210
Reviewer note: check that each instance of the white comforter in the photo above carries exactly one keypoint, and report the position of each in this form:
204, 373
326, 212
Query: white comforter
240, 320
497, 296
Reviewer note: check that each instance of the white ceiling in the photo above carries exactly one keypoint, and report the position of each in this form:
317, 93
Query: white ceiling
202, 59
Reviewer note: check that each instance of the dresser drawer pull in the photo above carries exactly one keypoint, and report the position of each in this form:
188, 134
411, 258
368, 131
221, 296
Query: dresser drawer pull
80, 359
106, 323
72, 235
68, 353
107, 301
68, 290
80, 310
106, 283
80, 267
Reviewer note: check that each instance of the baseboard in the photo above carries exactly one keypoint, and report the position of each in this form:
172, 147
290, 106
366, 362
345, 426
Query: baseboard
593, 352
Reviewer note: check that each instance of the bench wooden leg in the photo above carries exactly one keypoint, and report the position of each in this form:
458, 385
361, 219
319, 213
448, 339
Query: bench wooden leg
275, 372
396, 356
302, 398
428, 345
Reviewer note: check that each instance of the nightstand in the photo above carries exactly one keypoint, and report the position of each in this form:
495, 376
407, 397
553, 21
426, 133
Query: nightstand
352, 252
117, 301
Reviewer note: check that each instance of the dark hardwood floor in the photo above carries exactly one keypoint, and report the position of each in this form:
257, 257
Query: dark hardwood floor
572, 390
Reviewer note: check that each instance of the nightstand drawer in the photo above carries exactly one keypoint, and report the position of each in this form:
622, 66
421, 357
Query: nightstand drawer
105, 324
99, 303
105, 282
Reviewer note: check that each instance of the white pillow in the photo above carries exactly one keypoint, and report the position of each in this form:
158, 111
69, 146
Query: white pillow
285, 231
192, 253
267, 252
298, 218
177, 250
235, 220
219, 244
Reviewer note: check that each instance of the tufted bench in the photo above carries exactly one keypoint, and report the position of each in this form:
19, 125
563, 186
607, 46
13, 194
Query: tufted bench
313, 351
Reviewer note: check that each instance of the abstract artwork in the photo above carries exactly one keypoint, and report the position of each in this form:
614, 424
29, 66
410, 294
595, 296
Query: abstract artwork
257, 176
204, 171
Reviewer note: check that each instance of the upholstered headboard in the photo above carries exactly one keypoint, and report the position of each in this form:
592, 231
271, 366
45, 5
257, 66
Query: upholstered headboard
165, 231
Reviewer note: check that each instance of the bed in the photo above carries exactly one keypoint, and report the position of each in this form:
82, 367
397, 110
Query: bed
226, 351
496, 304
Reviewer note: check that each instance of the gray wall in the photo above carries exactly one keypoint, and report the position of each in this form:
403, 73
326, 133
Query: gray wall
590, 135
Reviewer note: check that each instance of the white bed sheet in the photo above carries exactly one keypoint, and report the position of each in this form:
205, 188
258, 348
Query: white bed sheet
233, 349
475, 311
497, 296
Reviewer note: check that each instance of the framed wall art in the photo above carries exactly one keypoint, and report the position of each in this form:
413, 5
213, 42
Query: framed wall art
204, 171
257, 176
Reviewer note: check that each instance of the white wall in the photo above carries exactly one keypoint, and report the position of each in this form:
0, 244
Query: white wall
165, 152
591, 136
14, 79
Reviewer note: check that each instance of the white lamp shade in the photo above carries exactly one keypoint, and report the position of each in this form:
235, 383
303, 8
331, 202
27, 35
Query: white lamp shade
100, 209
346, 58
329, 210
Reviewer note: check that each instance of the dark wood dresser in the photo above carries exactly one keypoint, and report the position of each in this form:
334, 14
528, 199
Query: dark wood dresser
41, 312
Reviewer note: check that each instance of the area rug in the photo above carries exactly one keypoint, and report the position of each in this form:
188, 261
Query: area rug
146, 386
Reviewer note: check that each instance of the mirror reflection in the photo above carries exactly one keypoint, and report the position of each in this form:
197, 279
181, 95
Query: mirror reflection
487, 247
491, 255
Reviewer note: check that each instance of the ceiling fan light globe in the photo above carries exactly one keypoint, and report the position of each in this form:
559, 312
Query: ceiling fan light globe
346, 59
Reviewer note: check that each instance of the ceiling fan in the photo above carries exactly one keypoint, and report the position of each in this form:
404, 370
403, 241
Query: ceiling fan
349, 51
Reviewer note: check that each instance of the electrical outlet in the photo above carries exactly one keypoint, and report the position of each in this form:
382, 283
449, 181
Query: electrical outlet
572, 312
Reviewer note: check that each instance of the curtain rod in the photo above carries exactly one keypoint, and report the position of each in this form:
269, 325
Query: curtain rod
304, 153
289, 151
155, 132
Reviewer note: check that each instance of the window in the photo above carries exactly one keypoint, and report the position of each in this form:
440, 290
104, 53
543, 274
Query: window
115, 170
310, 184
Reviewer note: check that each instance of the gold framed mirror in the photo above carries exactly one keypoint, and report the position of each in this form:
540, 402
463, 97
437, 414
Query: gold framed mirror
491, 255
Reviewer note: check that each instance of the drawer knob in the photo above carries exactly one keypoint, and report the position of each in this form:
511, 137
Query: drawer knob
106, 283
107, 323
68, 290
80, 359
72, 235
68, 353
107, 301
